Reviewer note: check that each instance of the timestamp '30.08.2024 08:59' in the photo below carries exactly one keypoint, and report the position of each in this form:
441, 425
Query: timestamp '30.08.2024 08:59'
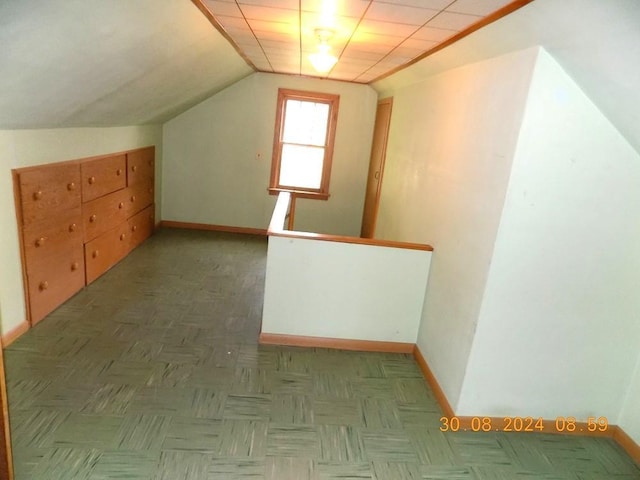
523, 424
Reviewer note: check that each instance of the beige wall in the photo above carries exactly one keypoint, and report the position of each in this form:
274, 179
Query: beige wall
21, 148
451, 144
212, 173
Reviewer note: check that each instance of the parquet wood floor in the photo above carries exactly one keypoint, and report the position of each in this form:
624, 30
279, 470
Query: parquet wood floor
154, 372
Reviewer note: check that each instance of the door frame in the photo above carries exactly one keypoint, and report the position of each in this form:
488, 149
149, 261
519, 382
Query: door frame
371, 174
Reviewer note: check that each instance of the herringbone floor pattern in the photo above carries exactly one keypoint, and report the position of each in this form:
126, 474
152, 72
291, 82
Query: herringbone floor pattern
154, 372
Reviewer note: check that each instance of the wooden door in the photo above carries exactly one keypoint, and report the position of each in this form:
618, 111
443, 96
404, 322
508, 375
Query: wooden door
6, 465
376, 167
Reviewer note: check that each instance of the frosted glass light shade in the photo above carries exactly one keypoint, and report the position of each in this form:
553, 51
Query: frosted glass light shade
322, 61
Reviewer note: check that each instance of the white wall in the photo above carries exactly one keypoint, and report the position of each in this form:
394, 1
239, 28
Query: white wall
341, 290
629, 418
212, 174
559, 329
452, 139
21, 148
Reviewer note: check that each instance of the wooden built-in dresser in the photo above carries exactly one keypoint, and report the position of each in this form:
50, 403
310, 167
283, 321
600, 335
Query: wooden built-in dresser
79, 218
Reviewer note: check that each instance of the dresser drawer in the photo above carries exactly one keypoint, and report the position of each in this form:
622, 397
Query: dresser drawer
141, 226
49, 238
104, 213
105, 251
48, 189
139, 197
54, 282
140, 165
103, 175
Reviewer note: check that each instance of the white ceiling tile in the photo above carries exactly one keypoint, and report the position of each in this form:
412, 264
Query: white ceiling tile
261, 25
275, 35
478, 7
372, 42
231, 22
392, 61
386, 28
433, 34
229, 9
289, 4
410, 51
453, 21
431, 4
283, 49
253, 51
391, 33
386, 12
347, 8
279, 15
352, 53
342, 27
246, 43
415, 43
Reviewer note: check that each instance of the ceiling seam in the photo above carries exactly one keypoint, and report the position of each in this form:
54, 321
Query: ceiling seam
350, 37
255, 36
213, 21
406, 38
483, 22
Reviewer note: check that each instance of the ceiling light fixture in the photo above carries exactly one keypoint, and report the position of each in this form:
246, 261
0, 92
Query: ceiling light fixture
323, 61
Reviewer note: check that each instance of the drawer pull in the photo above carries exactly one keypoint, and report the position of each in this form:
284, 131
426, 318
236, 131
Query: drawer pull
133, 198
72, 227
134, 228
119, 172
92, 218
43, 285
134, 168
95, 253
122, 235
37, 195
121, 205
71, 186
92, 180
40, 242
74, 266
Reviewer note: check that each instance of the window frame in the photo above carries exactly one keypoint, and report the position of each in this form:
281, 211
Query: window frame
284, 94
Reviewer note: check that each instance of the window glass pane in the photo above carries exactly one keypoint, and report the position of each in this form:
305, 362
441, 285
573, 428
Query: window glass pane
301, 166
305, 122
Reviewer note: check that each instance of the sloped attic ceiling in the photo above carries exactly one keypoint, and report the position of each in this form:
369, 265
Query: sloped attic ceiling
83, 63
597, 43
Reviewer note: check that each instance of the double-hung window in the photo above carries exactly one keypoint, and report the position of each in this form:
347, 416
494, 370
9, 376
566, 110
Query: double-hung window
303, 143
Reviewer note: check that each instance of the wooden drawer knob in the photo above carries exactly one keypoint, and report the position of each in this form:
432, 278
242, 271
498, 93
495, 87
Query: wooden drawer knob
121, 205
134, 168
43, 285
133, 198
37, 195
71, 186
92, 218
92, 180
40, 242
95, 253
134, 228
119, 172
74, 266
72, 227
122, 235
